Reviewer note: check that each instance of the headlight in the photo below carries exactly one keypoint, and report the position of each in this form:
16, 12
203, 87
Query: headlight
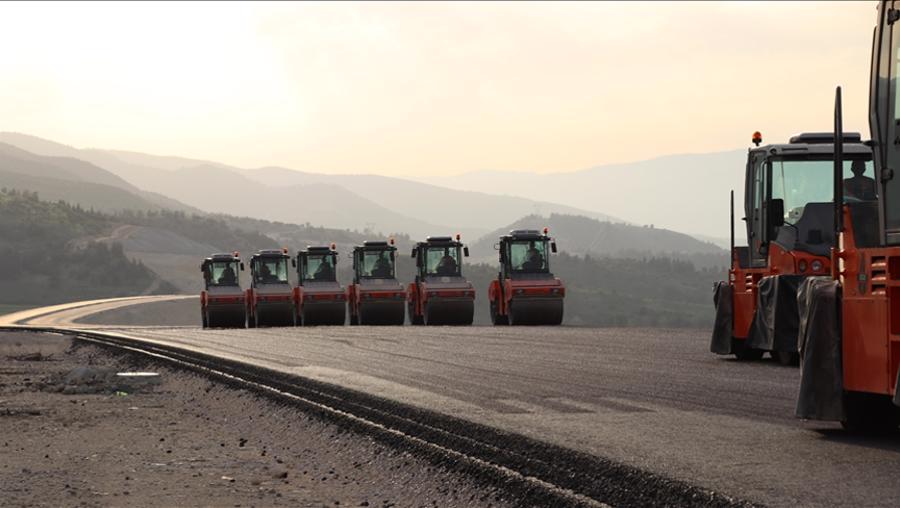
817, 266
801, 265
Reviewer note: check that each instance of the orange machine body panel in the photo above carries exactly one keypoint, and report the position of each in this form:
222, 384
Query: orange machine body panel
744, 281
870, 314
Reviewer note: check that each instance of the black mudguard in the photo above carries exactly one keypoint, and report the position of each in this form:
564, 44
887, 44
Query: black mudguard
821, 394
776, 323
723, 326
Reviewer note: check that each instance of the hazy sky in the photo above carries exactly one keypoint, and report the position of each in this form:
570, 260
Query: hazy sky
418, 88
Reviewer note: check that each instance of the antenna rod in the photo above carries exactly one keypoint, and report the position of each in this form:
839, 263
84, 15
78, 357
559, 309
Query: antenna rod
731, 252
838, 163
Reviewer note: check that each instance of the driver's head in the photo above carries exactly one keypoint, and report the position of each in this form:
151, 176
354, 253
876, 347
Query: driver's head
858, 167
534, 255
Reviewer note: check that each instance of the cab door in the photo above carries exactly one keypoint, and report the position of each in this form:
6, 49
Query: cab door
755, 200
884, 115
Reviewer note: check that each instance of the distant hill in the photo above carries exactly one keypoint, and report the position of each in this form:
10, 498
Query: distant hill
585, 236
340, 201
46, 259
687, 192
75, 181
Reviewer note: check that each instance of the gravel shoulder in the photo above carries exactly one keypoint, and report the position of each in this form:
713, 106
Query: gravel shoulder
188, 442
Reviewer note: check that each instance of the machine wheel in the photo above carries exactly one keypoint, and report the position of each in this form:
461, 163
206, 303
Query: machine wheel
204, 318
496, 318
354, 319
869, 413
743, 353
787, 358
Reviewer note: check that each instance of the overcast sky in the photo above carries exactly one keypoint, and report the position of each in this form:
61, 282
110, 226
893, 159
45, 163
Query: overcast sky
430, 89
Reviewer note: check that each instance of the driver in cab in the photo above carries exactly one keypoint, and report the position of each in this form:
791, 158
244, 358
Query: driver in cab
447, 265
228, 276
382, 268
534, 261
859, 186
324, 271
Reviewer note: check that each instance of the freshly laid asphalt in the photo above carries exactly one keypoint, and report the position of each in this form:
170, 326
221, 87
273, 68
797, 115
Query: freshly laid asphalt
652, 398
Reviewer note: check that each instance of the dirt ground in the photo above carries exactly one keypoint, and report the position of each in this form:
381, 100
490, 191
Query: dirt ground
187, 442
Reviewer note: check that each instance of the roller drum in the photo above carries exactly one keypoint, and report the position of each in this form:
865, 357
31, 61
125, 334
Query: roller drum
389, 312
440, 311
226, 316
324, 314
275, 314
536, 311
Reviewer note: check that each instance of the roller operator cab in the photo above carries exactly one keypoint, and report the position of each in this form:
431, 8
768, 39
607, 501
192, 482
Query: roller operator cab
788, 218
440, 294
375, 297
222, 299
270, 299
850, 341
525, 292
319, 297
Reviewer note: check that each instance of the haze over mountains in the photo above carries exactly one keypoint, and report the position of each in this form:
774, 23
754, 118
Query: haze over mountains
121, 180
688, 193
377, 203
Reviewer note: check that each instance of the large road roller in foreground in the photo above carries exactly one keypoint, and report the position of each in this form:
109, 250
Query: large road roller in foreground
375, 297
850, 322
319, 297
440, 295
789, 210
222, 299
270, 299
525, 292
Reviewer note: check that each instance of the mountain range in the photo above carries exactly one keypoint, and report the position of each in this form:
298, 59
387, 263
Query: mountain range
362, 202
688, 192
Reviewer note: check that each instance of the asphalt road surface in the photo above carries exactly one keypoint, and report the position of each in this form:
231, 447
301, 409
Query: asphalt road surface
652, 398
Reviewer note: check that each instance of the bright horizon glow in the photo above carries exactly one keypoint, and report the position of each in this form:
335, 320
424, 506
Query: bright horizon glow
430, 89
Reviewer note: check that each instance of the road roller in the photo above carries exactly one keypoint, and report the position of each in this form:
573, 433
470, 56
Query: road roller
440, 295
788, 210
850, 321
375, 297
270, 299
525, 292
222, 299
319, 297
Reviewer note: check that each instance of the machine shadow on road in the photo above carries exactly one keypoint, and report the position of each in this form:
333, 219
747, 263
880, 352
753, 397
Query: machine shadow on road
886, 441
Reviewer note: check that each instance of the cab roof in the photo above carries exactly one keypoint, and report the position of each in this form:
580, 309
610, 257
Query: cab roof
442, 241
271, 253
317, 249
375, 245
525, 234
815, 143
223, 257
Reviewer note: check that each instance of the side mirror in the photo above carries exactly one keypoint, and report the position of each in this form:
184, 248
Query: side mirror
413, 254
496, 246
553, 247
466, 251
242, 266
294, 263
774, 217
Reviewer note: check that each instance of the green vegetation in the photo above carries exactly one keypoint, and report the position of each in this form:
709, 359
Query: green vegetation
47, 260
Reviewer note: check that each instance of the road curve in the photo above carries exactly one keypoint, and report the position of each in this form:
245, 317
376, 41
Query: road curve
651, 398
